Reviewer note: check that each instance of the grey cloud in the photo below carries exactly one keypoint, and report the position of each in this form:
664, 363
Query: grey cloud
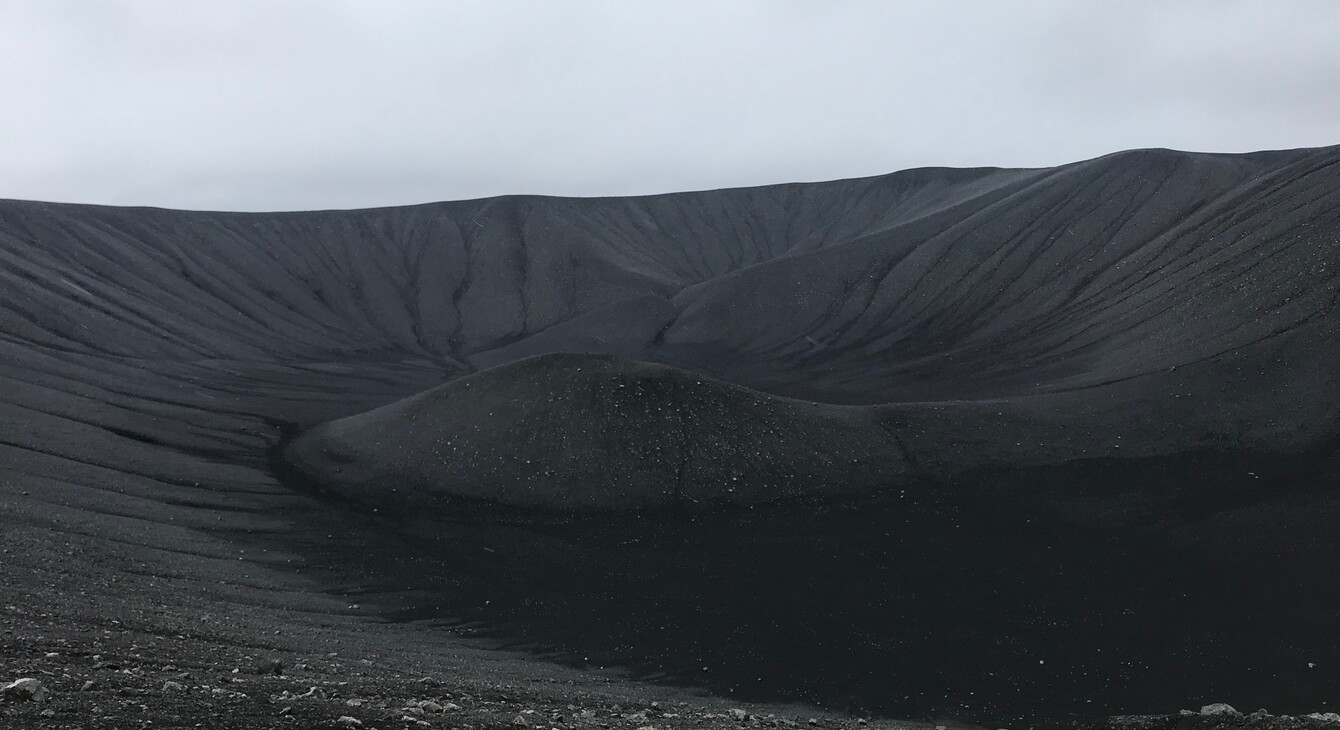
258, 105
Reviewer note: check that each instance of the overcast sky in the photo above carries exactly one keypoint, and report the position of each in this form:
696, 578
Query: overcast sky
274, 104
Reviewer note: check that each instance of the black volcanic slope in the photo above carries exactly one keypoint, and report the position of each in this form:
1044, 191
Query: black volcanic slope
990, 442
573, 432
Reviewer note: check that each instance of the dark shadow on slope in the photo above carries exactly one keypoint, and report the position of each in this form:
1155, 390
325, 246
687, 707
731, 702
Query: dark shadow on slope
1012, 599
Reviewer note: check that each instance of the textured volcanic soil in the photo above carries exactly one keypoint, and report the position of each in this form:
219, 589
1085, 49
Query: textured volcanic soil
1023, 447
580, 432
167, 646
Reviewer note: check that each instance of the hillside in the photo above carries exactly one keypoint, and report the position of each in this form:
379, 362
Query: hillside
1122, 369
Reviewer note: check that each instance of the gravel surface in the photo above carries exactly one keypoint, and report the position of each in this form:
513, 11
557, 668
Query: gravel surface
119, 641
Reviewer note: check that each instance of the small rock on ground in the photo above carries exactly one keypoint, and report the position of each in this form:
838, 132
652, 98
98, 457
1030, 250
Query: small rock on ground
26, 689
